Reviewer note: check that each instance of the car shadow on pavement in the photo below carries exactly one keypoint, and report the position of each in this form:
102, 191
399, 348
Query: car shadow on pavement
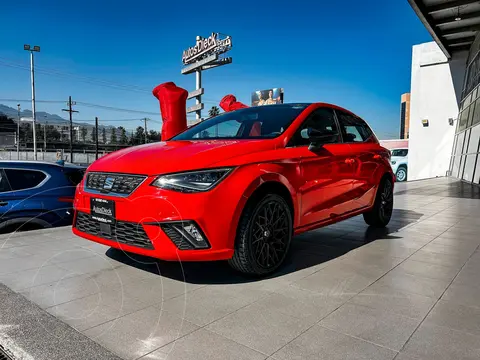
307, 250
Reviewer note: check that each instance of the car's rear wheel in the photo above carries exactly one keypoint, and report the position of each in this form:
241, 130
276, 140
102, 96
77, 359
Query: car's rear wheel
263, 237
381, 213
401, 174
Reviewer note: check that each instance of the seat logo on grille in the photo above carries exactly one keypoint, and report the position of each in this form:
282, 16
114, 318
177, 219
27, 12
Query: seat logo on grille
108, 185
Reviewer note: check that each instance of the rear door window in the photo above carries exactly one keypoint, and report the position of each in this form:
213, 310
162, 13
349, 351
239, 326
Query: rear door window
20, 179
353, 128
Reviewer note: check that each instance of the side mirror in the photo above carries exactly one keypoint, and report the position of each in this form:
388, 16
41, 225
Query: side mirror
318, 138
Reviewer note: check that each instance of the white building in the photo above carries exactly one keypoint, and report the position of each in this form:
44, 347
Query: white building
445, 103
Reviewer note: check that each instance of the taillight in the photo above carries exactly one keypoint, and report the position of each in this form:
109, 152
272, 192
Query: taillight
68, 199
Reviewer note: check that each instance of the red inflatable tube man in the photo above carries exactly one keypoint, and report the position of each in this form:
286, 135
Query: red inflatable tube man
173, 103
230, 103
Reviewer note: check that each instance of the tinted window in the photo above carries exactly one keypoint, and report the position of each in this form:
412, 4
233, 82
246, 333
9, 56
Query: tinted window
353, 128
400, 152
24, 179
4, 185
321, 119
260, 122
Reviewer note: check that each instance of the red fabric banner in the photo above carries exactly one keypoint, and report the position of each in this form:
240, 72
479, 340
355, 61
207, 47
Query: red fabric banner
230, 103
173, 103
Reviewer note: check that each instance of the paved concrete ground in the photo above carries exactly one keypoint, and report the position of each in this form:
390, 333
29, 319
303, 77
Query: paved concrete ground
410, 292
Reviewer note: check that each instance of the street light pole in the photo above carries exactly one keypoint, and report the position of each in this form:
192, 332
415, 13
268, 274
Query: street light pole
34, 49
45, 136
18, 131
33, 107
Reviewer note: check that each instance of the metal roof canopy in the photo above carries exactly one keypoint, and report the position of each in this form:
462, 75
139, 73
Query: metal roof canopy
453, 24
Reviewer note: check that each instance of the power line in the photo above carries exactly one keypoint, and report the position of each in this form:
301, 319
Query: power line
87, 79
30, 100
115, 108
79, 103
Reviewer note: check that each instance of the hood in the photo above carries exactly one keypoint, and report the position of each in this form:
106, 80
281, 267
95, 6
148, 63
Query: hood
175, 156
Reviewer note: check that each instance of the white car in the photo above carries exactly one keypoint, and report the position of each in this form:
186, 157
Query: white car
399, 163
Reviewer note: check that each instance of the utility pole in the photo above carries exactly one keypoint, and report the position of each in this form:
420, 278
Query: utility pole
145, 119
96, 138
18, 131
70, 111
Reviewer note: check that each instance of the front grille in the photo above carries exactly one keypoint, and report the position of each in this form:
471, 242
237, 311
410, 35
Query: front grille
123, 184
123, 232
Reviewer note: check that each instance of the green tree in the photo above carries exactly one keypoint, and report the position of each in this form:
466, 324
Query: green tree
138, 137
52, 133
153, 136
26, 132
214, 111
104, 135
7, 124
94, 135
83, 133
123, 136
113, 135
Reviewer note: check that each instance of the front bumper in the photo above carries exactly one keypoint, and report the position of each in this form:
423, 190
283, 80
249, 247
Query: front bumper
148, 208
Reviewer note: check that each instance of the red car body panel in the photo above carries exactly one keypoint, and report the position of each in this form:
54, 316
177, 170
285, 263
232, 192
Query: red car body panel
336, 182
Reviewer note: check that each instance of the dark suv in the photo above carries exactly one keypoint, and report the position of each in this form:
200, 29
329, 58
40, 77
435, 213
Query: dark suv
36, 194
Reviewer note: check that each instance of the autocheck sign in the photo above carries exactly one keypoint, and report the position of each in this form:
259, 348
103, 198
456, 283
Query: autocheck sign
204, 47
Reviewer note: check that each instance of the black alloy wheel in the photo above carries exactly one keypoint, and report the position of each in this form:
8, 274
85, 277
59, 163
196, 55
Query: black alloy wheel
381, 213
263, 236
386, 203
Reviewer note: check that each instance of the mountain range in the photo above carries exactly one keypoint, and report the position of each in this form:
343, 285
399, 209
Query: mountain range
43, 117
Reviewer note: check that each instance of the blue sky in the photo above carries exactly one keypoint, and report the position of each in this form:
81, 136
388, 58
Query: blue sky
356, 54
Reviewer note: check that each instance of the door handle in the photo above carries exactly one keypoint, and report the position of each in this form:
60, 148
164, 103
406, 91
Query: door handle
3, 203
349, 161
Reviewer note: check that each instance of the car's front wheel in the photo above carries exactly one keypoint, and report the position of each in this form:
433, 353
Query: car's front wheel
381, 212
263, 237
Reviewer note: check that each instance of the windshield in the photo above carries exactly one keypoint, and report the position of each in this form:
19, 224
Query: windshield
262, 122
400, 152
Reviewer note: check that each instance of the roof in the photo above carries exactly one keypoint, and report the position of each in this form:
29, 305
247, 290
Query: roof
453, 24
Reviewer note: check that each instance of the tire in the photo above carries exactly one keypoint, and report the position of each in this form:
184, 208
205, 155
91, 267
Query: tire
264, 234
401, 174
381, 212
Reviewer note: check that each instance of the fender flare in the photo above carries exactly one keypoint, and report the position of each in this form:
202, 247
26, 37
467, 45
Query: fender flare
257, 182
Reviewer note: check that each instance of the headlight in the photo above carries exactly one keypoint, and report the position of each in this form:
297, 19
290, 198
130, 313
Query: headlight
393, 162
192, 181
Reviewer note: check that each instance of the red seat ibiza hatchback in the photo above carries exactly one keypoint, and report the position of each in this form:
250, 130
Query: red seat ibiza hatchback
238, 186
